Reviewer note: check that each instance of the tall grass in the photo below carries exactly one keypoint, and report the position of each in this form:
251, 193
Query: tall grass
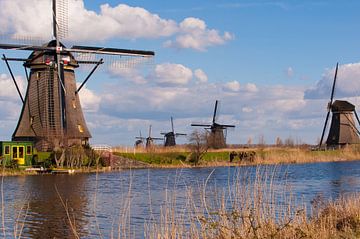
255, 207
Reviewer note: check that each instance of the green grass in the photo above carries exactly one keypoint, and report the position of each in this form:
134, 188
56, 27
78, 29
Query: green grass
171, 158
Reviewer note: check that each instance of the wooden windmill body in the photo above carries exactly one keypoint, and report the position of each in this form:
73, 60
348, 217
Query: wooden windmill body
51, 115
170, 137
216, 138
343, 130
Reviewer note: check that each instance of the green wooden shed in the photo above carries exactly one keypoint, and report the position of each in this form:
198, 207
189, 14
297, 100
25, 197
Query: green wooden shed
20, 151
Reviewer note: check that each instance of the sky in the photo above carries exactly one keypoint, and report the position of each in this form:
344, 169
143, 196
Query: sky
269, 63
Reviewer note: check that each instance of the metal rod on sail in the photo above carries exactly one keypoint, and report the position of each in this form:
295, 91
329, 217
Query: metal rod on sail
87, 78
329, 106
13, 78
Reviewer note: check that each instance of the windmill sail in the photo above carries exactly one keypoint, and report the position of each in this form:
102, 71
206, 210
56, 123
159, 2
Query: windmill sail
216, 139
170, 137
51, 115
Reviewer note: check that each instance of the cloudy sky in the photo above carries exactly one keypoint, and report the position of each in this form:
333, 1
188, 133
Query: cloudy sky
270, 63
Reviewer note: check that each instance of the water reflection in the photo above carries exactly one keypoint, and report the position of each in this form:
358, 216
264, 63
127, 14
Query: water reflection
46, 215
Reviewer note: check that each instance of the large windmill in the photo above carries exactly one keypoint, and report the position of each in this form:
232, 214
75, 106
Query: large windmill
51, 115
170, 136
343, 129
216, 139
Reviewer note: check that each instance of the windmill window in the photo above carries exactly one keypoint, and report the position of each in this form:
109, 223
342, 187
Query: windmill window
7, 150
81, 130
31, 120
38, 74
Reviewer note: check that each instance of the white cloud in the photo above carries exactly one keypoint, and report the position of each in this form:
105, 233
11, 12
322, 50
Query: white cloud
8, 89
121, 21
251, 88
347, 83
200, 76
247, 109
194, 34
90, 102
130, 74
169, 74
289, 72
232, 86
33, 18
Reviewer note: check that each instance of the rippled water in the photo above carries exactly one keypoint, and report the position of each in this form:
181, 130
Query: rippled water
98, 204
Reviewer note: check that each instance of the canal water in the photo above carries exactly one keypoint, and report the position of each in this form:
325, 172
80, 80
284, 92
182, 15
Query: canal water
106, 205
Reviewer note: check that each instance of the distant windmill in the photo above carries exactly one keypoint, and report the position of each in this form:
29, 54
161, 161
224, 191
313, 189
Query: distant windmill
51, 114
150, 140
140, 141
216, 139
170, 136
342, 129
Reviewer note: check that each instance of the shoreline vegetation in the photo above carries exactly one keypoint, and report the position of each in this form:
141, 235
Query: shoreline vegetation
180, 157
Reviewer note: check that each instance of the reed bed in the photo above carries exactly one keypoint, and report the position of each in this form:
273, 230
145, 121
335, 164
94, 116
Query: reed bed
255, 207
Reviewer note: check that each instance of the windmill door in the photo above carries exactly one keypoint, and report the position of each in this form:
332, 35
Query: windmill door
18, 154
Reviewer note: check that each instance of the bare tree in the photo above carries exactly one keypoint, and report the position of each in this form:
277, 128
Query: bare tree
198, 146
289, 142
249, 141
261, 142
278, 142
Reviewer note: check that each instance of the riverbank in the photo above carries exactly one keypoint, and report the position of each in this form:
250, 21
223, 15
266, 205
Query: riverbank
262, 156
178, 157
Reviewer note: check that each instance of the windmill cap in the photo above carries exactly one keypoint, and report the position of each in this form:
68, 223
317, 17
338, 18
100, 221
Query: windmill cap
39, 57
342, 105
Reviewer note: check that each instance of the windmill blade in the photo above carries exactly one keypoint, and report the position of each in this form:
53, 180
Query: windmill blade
172, 124
60, 9
180, 134
157, 138
334, 83
25, 47
227, 126
201, 125
215, 111
329, 106
110, 51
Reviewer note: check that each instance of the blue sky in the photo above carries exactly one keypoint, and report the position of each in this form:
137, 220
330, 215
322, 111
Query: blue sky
270, 63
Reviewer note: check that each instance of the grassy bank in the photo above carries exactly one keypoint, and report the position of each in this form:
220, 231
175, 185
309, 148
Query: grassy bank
270, 155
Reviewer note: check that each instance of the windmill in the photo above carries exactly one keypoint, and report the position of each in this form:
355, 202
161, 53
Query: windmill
51, 114
170, 136
150, 140
343, 130
216, 139
140, 140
